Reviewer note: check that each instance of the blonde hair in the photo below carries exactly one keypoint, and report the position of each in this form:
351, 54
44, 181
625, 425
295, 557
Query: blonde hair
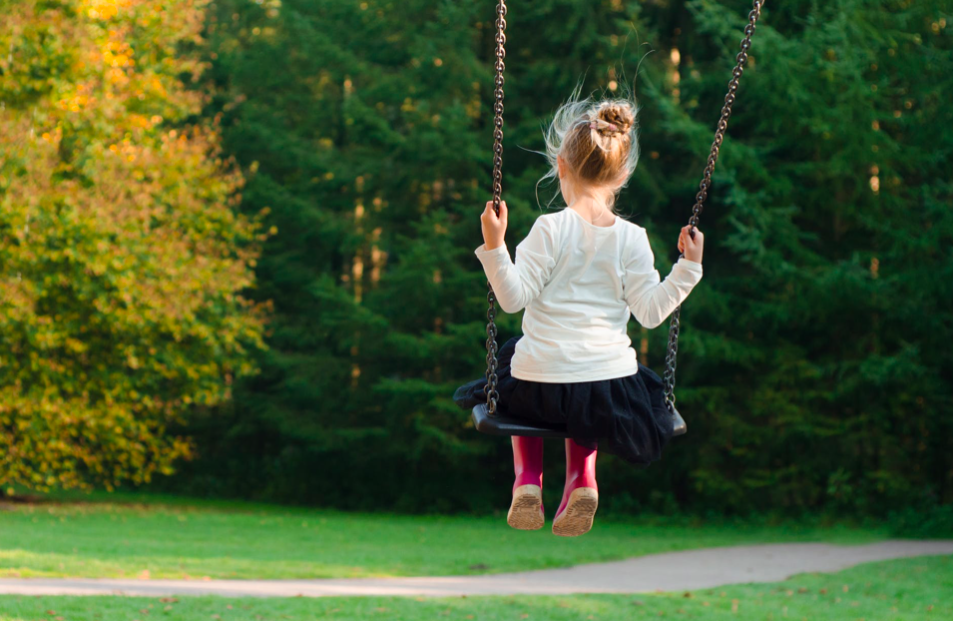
598, 140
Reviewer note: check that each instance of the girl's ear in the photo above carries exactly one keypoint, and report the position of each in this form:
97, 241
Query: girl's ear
561, 164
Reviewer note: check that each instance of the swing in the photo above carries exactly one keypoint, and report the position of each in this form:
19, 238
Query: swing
485, 417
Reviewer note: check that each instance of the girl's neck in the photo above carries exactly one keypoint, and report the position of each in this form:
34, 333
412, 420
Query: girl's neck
595, 210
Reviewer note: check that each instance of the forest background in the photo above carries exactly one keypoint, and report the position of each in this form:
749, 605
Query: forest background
236, 245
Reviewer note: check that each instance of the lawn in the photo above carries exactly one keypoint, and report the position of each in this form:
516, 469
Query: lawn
176, 538
901, 590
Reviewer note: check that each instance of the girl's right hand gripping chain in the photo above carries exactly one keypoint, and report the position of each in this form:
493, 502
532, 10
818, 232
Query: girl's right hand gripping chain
691, 248
494, 226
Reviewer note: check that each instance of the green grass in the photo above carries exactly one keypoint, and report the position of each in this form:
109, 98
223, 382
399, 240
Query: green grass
902, 590
174, 538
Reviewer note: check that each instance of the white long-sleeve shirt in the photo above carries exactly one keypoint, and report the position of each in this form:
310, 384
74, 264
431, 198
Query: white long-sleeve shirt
579, 283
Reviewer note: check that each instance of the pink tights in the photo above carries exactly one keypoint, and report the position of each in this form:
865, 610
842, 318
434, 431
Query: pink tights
528, 465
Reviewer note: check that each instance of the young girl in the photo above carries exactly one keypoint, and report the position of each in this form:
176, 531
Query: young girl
579, 274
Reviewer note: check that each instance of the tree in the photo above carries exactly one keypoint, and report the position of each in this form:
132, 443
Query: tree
122, 260
812, 365
815, 374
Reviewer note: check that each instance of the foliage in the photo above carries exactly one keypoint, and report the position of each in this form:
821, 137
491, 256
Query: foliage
933, 521
814, 370
122, 259
833, 236
365, 350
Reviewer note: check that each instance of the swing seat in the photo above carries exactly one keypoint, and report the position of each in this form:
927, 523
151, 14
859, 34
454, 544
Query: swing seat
505, 426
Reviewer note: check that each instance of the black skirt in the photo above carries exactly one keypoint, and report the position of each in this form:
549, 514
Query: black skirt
625, 416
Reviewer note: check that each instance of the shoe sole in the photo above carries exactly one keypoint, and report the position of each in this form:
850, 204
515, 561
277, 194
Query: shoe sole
526, 512
576, 518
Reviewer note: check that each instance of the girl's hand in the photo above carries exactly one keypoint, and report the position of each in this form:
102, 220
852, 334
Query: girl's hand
494, 226
691, 248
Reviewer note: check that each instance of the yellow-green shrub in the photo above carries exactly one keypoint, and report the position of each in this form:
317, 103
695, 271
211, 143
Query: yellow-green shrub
122, 257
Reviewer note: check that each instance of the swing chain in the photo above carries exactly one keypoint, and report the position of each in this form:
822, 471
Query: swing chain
741, 60
492, 395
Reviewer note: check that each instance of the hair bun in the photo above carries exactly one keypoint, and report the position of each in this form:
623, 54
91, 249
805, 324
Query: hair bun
596, 139
614, 118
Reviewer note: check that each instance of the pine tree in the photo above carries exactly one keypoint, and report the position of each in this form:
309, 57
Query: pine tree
809, 364
812, 368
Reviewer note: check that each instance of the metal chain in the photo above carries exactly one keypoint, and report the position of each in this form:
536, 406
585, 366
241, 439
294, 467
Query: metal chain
492, 396
741, 60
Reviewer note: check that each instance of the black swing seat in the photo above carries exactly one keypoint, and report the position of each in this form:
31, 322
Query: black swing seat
506, 426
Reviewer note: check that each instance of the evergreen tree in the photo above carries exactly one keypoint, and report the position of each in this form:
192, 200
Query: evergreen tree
813, 371
811, 368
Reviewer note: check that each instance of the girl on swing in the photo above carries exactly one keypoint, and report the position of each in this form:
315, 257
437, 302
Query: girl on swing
580, 273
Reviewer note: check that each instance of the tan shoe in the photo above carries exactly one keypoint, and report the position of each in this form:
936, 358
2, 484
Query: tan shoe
576, 518
526, 511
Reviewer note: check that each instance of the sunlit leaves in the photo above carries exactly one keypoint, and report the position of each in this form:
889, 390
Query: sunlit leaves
122, 260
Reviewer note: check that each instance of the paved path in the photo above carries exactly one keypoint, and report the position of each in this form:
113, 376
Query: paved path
674, 571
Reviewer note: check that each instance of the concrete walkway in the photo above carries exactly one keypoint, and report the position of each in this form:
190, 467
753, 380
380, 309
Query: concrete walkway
674, 571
